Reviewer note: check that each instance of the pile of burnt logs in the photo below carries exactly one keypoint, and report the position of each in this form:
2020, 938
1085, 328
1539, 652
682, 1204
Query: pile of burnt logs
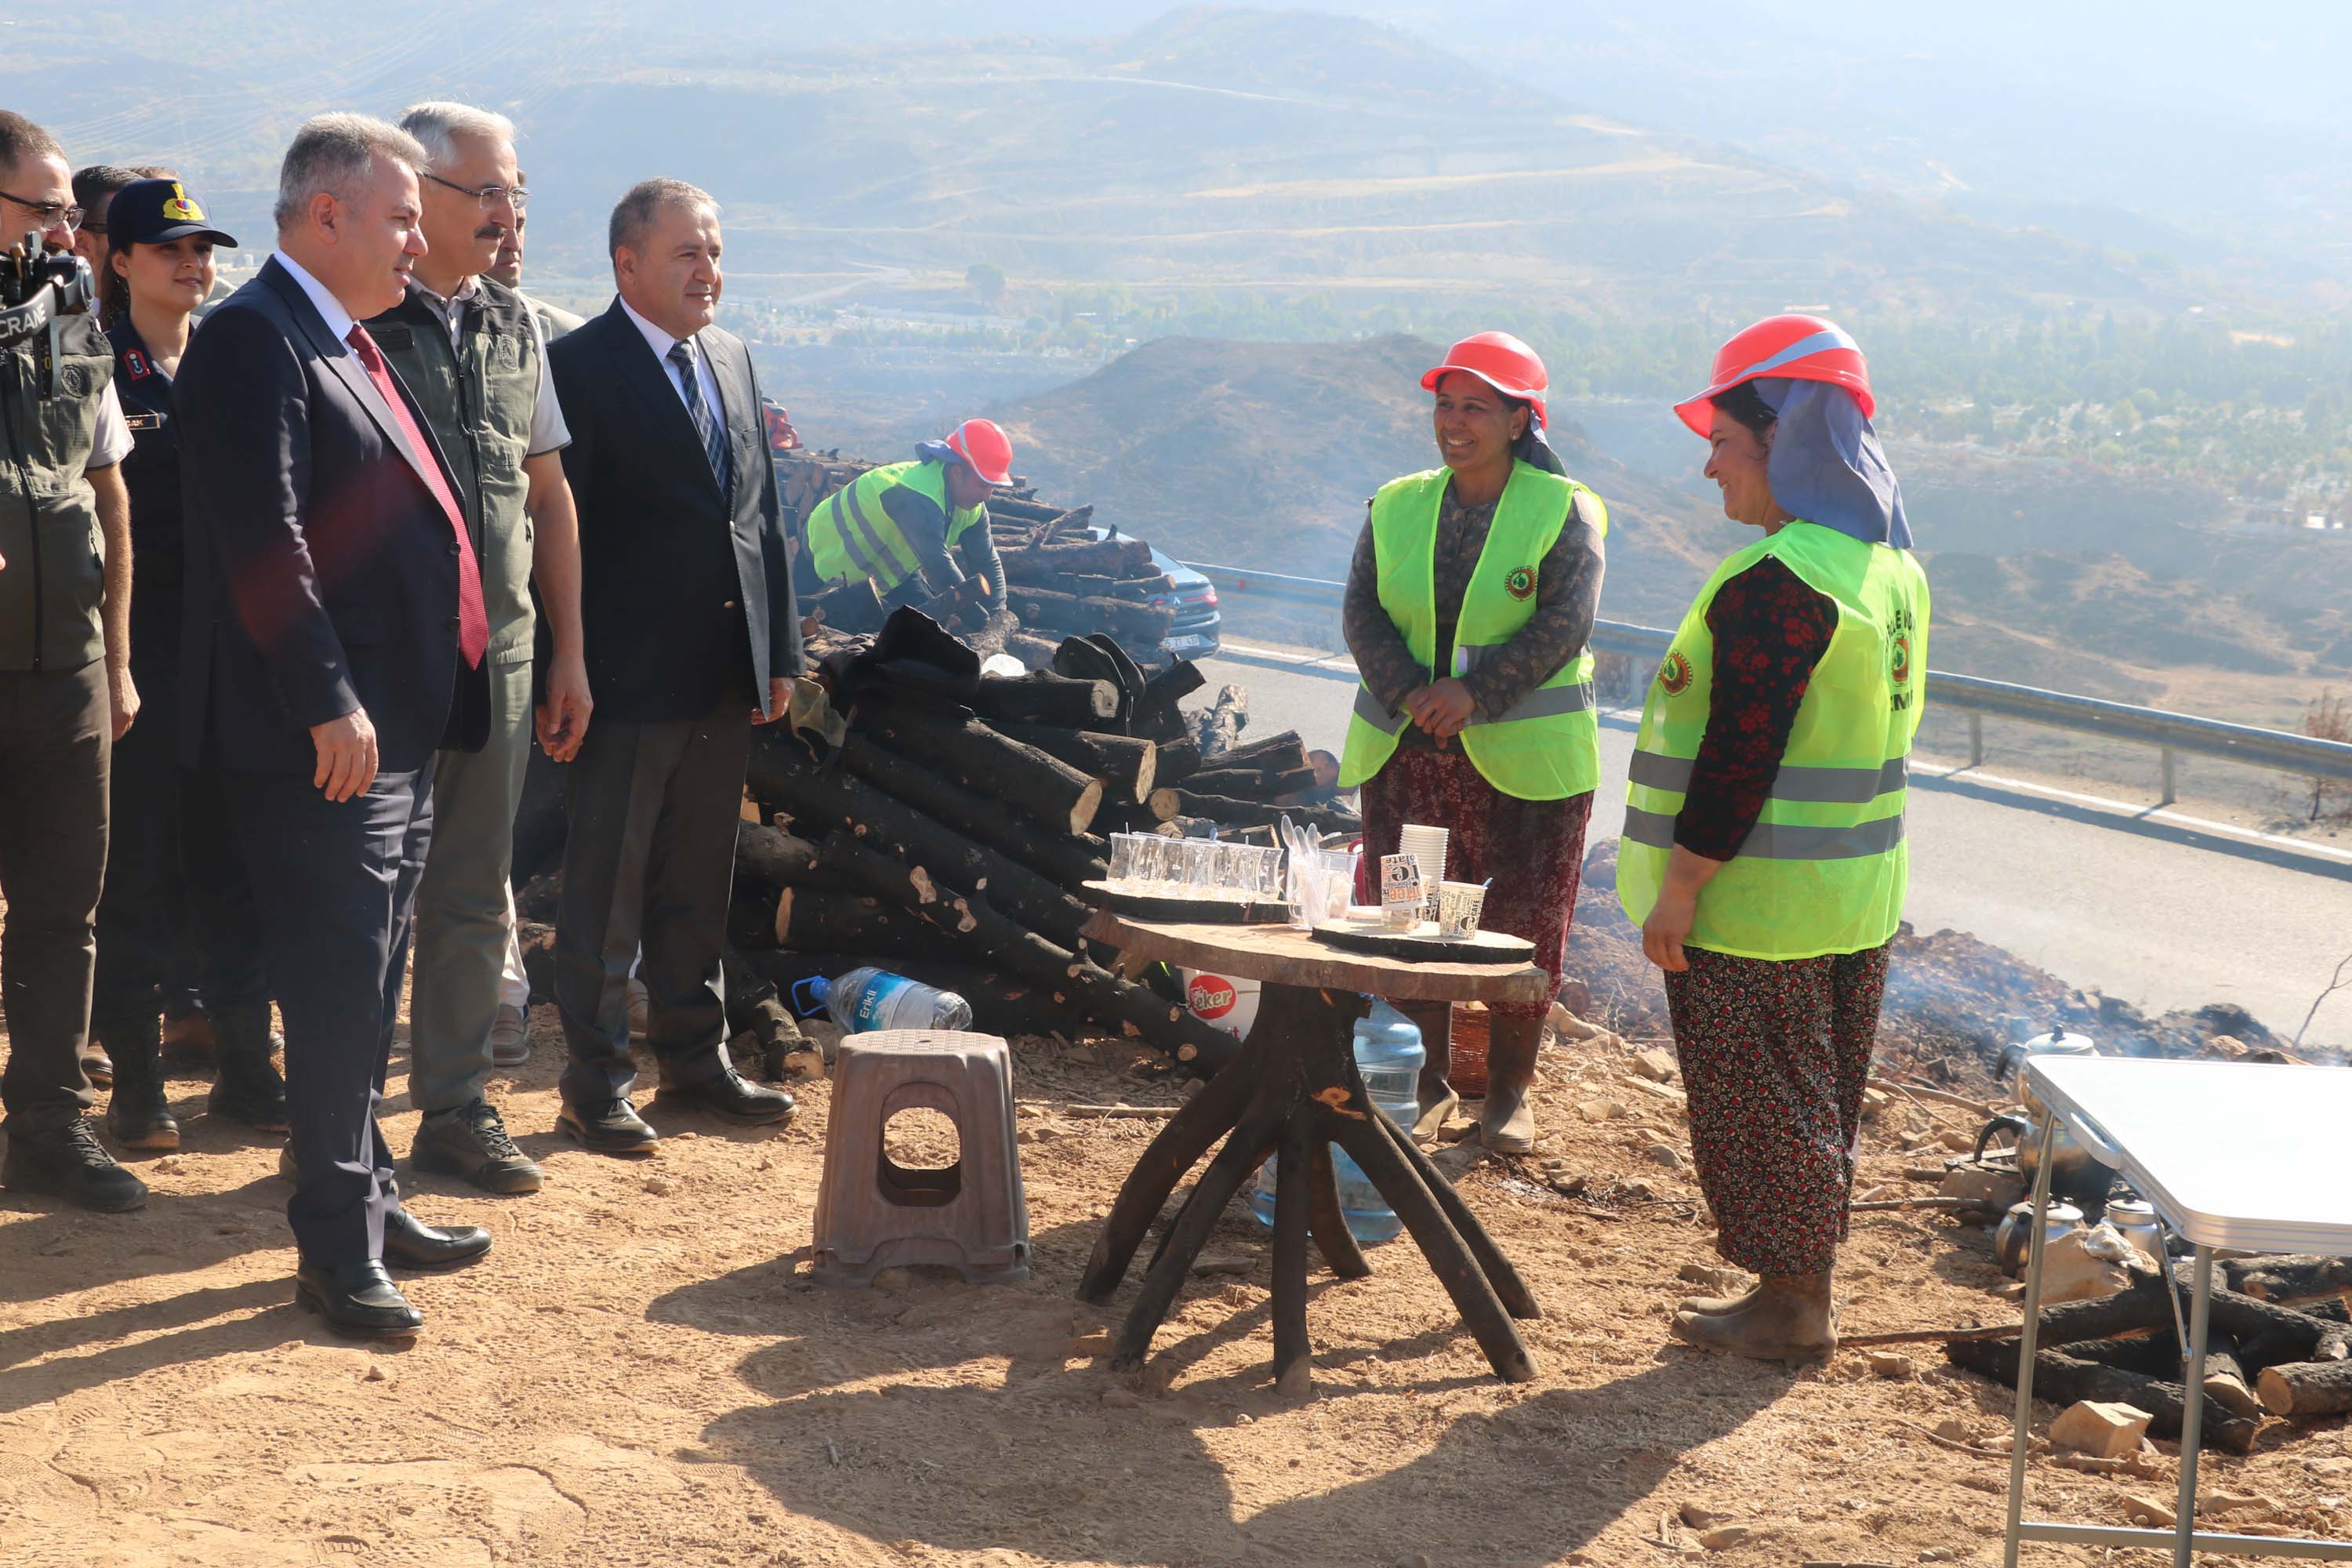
2283, 1351
950, 834
1060, 579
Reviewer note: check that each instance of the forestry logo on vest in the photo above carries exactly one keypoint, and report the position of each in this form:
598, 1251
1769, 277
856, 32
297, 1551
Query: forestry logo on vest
1674, 675
1898, 661
1521, 583
1212, 995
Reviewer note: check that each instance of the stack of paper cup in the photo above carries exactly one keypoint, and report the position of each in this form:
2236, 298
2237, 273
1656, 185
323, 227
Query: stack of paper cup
1427, 846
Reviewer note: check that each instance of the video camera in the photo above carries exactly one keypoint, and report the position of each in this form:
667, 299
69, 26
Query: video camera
36, 290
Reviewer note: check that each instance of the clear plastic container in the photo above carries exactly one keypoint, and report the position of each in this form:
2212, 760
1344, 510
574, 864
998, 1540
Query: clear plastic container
1389, 1054
868, 999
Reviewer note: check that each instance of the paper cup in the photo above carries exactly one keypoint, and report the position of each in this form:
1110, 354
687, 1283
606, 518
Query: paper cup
1401, 892
1459, 906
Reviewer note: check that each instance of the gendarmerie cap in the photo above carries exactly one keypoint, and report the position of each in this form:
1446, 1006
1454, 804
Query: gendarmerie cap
149, 212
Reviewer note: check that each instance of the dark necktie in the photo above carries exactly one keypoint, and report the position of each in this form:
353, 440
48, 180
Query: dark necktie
712, 431
473, 620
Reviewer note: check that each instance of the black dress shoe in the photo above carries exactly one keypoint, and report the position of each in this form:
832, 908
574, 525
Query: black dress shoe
732, 1097
357, 1299
410, 1243
612, 1128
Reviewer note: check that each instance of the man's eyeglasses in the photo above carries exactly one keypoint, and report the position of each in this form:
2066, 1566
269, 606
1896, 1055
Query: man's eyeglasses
48, 213
486, 196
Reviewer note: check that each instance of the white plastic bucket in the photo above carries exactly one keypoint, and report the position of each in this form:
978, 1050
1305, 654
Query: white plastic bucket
1224, 1000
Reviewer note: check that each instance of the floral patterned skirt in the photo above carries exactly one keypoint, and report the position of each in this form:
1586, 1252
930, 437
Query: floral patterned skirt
1533, 850
1774, 1054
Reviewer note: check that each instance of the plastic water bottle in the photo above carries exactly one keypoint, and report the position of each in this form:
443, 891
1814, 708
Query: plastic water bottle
1389, 1054
864, 1000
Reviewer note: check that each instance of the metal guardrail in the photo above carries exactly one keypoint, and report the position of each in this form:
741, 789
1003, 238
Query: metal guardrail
2172, 734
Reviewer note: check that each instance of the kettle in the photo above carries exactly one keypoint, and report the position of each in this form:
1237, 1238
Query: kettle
2073, 1174
2134, 1220
2013, 1242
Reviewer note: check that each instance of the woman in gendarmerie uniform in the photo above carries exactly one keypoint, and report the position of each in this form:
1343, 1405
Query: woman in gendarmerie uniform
1469, 604
1764, 852
169, 860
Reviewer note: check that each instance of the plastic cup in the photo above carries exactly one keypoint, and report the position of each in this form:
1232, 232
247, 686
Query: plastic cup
1269, 872
1122, 859
1200, 865
1400, 897
1236, 874
1459, 906
1151, 853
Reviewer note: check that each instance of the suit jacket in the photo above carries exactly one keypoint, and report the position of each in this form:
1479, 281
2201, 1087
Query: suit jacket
686, 590
321, 574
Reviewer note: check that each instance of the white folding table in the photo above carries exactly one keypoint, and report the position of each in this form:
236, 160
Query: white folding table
2232, 1154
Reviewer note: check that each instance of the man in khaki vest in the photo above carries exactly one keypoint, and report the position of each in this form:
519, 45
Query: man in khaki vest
474, 355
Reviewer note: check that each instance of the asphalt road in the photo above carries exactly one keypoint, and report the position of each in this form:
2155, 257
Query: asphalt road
2100, 894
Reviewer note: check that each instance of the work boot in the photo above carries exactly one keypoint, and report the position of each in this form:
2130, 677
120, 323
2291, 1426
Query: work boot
68, 1162
189, 1033
97, 1066
1506, 1122
511, 1036
1789, 1318
248, 1090
471, 1142
1433, 1093
137, 1115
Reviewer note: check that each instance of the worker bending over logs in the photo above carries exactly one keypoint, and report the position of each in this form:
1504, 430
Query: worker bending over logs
903, 527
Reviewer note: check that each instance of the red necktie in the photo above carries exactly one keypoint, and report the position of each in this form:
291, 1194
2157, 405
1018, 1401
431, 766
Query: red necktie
473, 620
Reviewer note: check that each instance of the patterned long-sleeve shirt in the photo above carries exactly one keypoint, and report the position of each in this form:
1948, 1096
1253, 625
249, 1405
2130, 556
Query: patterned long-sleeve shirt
1568, 596
1770, 630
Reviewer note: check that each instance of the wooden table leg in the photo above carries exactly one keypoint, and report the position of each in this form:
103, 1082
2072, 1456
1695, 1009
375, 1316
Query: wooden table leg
1328, 1222
1292, 1373
1512, 1291
1204, 1118
1250, 1141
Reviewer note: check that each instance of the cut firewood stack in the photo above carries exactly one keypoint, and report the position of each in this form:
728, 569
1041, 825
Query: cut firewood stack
1061, 581
2265, 1357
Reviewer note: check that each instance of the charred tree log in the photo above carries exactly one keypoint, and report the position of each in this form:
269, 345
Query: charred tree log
1219, 727
1173, 684
822, 920
1178, 761
1036, 652
1046, 699
770, 856
848, 806
1103, 558
1250, 784
969, 751
1127, 766
2280, 1279
2306, 1390
1066, 859
1123, 618
972, 919
1226, 811
2064, 1379
1013, 509
1284, 751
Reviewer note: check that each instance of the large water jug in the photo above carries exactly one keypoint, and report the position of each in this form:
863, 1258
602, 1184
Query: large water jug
1389, 1054
868, 999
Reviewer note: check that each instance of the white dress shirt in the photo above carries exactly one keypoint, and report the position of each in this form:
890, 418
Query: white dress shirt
660, 342
331, 310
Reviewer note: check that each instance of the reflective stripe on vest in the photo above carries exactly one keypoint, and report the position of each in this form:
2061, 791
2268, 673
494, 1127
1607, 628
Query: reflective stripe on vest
1546, 746
1825, 867
853, 537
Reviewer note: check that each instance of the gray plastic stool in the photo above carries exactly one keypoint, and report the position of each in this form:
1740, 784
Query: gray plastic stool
874, 1214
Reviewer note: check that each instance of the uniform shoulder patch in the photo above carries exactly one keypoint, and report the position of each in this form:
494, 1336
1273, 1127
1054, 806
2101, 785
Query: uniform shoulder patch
1675, 674
1521, 583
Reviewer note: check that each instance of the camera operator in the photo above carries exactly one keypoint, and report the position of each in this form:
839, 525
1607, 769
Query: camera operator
65, 695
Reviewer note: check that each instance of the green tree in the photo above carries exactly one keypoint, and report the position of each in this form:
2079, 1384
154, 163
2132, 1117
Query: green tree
986, 281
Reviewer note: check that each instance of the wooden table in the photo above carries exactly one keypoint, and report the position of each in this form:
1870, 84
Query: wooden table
1293, 1092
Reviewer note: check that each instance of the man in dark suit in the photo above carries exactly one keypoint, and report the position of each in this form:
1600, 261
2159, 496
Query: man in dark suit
333, 640
692, 637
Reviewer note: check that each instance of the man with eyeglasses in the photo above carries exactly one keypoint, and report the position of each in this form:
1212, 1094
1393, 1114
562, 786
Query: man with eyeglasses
472, 353
65, 695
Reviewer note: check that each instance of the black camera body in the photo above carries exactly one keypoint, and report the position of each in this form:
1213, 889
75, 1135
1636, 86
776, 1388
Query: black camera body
37, 288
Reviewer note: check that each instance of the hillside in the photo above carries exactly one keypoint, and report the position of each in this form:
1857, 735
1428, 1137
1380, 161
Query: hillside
1263, 454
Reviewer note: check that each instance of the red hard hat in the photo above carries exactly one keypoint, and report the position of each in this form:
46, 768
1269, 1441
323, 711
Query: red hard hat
1803, 348
988, 449
1503, 363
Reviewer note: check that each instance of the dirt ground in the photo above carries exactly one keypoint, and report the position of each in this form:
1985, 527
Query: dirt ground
640, 1372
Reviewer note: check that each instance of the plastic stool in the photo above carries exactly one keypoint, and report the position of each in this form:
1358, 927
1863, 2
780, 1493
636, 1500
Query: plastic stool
874, 1214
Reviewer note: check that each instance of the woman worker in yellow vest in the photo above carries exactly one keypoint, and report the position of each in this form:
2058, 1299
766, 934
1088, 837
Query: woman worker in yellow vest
1468, 607
898, 524
1764, 852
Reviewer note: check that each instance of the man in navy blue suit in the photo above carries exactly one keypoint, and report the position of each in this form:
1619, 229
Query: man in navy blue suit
333, 641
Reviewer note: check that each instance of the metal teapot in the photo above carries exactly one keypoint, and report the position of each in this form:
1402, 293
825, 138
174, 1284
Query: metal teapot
2073, 1174
2012, 1240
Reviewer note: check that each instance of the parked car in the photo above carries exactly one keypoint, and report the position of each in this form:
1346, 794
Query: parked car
1195, 634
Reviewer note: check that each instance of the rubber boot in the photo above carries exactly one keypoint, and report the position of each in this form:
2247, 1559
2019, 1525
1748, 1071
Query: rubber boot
1506, 1122
137, 1115
1435, 1090
1785, 1318
248, 1090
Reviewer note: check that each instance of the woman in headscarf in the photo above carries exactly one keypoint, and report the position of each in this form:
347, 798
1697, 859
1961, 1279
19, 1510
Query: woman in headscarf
1468, 607
1763, 852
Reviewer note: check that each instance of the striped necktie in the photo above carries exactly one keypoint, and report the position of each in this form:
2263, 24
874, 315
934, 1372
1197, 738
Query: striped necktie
712, 430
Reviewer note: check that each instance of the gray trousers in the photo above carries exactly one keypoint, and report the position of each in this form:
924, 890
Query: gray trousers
648, 857
55, 740
464, 914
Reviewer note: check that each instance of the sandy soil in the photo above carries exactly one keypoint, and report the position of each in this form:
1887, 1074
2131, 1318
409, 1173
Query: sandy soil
640, 1373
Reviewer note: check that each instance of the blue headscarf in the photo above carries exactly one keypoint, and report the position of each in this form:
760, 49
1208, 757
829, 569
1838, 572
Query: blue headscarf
1827, 465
